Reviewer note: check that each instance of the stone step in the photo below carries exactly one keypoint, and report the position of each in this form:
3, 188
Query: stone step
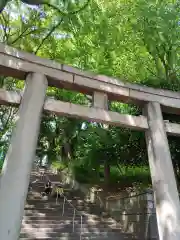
40, 217
83, 238
48, 208
59, 205
49, 213
64, 222
55, 219
58, 225
66, 229
58, 217
63, 225
75, 235
53, 208
45, 222
43, 201
31, 199
56, 208
76, 238
43, 218
41, 204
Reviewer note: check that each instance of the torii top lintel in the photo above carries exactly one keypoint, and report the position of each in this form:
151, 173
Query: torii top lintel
16, 63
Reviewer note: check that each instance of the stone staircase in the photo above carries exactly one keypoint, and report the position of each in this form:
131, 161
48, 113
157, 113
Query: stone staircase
46, 219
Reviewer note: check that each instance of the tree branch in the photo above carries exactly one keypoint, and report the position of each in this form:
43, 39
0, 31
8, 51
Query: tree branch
57, 25
48, 35
67, 13
4, 26
23, 35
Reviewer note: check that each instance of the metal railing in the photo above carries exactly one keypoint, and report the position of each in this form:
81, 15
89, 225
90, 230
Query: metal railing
60, 191
75, 212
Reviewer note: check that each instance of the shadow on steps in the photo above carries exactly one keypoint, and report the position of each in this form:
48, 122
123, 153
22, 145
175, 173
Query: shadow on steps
44, 219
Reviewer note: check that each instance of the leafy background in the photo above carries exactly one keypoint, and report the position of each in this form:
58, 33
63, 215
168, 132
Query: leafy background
135, 41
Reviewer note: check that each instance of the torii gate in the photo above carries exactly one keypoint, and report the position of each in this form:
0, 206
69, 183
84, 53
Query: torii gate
39, 73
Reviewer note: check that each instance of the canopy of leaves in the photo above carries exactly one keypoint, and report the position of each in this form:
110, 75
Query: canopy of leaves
136, 41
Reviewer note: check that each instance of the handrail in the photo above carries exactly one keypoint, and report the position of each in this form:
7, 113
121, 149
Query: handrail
132, 196
74, 213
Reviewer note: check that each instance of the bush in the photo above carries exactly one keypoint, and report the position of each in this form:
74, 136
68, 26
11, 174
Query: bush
131, 175
58, 165
82, 174
128, 176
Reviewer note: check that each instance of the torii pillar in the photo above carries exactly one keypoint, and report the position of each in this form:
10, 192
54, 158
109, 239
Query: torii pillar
162, 174
18, 163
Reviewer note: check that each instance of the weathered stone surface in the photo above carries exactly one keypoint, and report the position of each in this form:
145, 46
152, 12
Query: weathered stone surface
148, 97
74, 70
172, 128
18, 162
129, 209
95, 114
9, 97
10, 51
100, 100
162, 174
18, 68
139, 88
14, 98
94, 85
17, 64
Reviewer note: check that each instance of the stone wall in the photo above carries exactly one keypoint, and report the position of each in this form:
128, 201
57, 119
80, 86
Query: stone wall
135, 212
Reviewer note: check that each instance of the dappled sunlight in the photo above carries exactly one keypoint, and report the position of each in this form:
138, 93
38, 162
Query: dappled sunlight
45, 219
167, 202
141, 46
9, 50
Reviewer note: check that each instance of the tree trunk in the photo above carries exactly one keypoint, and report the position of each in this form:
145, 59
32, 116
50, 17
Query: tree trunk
107, 171
68, 152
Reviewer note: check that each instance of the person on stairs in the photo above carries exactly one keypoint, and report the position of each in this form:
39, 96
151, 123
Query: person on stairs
47, 189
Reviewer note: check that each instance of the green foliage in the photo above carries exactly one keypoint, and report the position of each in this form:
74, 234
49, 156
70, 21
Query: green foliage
135, 41
128, 176
57, 165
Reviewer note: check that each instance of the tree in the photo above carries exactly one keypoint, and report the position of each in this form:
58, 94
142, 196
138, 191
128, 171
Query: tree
3, 3
27, 37
134, 41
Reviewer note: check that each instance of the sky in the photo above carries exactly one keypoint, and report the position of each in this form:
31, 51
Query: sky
14, 13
